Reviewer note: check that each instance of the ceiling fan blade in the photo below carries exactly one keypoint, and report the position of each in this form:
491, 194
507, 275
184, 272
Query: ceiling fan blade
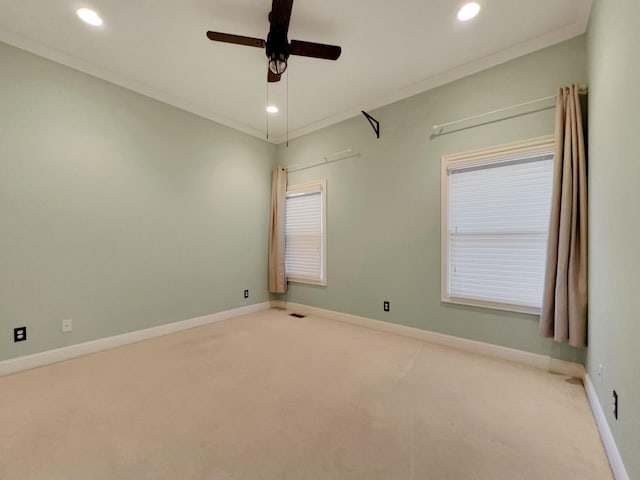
237, 39
272, 77
280, 14
315, 50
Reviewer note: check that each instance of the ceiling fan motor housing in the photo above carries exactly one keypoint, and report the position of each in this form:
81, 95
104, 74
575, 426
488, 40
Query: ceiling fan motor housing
277, 50
277, 46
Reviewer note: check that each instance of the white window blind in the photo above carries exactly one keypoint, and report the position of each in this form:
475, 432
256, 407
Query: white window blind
496, 230
304, 234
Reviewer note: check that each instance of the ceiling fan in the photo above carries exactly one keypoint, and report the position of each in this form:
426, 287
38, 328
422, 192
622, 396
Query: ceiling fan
278, 47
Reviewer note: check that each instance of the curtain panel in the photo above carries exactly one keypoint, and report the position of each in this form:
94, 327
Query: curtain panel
277, 276
564, 305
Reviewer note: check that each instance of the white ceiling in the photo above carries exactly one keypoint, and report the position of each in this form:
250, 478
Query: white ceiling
390, 50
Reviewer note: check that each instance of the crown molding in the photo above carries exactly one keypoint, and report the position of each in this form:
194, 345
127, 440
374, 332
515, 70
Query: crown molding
503, 56
524, 48
83, 66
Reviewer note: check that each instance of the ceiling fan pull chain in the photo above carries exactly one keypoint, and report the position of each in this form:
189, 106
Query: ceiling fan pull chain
288, 109
278, 48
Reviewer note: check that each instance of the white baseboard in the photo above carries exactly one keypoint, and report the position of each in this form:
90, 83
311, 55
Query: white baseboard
615, 460
27, 362
505, 353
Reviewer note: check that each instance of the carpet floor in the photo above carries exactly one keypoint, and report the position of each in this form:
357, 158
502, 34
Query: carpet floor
270, 396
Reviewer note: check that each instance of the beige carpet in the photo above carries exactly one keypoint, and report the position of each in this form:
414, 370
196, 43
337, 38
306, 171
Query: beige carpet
269, 396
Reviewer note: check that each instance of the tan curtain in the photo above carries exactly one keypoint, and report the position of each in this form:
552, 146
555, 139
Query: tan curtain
564, 305
277, 278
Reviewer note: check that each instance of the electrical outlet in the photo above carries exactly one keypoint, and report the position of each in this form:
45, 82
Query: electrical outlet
600, 371
20, 334
67, 325
386, 306
614, 405
246, 294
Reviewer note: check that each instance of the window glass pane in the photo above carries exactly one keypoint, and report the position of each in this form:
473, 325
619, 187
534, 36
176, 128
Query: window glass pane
303, 236
498, 218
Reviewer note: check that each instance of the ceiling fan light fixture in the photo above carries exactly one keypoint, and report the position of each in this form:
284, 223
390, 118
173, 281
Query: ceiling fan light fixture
468, 11
277, 63
89, 16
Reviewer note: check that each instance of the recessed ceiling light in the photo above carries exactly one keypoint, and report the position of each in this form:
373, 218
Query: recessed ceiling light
272, 109
468, 11
89, 16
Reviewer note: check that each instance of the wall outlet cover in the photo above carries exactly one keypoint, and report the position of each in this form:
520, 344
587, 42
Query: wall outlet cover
20, 334
246, 294
600, 370
386, 306
67, 325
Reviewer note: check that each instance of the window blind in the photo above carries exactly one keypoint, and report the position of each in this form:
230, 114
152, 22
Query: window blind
304, 236
498, 220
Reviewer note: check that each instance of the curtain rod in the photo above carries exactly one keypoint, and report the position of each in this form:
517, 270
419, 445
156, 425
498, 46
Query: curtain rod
500, 110
334, 157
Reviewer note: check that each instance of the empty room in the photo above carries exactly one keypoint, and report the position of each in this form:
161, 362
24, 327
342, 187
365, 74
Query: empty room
277, 239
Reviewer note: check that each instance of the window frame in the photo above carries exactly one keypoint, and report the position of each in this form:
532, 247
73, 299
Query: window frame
478, 157
310, 187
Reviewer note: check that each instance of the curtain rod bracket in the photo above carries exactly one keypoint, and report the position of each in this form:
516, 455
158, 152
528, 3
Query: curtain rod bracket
374, 123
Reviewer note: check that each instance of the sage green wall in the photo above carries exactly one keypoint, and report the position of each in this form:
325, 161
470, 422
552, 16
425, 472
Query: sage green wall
118, 211
122, 213
384, 206
614, 197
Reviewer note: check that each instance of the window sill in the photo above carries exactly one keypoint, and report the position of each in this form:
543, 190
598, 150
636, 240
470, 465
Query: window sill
492, 305
309, 281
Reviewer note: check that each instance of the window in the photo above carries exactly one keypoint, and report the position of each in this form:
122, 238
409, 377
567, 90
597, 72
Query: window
305, 233
495, 219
